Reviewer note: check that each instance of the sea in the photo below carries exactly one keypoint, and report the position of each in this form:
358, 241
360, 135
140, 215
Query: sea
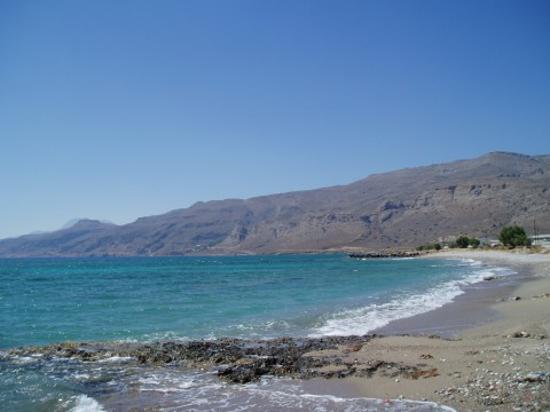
145, 299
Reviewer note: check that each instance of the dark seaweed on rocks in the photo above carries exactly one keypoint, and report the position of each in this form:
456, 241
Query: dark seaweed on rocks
235, 360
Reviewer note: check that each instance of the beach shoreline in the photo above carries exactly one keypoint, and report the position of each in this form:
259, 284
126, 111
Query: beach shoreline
486, 350
496, 362
475, 306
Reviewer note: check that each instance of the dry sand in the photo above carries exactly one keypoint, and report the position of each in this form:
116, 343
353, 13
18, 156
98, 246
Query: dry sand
501, 365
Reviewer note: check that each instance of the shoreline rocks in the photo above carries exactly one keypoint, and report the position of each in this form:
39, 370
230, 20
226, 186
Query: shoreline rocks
238, 360
381, 255
501, 375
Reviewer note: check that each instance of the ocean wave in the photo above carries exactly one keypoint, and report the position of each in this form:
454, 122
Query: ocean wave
166, 384
201, 392
285, 400
22, 360
113, 359
259, 329
83, 403
368, 318
471, 262
384, 404
162, 336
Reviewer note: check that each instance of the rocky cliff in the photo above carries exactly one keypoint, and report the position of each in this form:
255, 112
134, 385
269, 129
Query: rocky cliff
396, 209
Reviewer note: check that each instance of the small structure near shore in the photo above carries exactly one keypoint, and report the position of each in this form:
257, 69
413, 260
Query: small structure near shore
540, 240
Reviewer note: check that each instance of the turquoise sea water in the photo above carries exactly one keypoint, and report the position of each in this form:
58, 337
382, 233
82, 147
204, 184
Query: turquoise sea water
52, 300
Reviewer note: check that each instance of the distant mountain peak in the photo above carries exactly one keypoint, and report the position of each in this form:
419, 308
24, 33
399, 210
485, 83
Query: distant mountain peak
398, 209
86, 223
501, 153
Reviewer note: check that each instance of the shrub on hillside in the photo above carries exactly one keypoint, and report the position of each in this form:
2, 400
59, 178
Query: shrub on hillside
429, 246
514, 236
474, 242
465, 241
462, 241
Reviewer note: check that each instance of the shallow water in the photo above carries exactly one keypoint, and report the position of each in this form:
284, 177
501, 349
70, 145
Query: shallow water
52, 300
122, 385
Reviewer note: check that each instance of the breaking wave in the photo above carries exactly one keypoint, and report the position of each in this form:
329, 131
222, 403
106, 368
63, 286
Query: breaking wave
368, 318
84, 403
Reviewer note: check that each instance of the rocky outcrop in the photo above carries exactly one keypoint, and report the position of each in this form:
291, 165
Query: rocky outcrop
380, 255
240, 361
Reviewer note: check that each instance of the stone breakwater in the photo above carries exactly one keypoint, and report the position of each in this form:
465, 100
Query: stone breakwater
242, 361
381, 255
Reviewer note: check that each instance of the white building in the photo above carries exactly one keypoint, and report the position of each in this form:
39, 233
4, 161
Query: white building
540, 240
485, 241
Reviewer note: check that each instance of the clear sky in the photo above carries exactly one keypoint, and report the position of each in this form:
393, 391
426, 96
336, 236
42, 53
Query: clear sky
119, 109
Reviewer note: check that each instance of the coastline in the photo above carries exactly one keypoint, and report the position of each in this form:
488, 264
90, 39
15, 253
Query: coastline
494, 362
475, 307
486, 355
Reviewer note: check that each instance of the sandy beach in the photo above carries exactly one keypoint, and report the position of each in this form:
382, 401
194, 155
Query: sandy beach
502, 363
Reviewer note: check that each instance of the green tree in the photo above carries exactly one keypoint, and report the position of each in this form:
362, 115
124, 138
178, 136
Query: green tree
462, 241
514, 236
429, 246
474, 242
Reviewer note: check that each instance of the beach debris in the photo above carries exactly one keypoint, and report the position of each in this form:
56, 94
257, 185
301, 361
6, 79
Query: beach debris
430, 373
426, 356
515, 298
521, 334
536, 377
355, 347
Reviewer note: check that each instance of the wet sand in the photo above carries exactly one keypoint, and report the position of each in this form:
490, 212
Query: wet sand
473, 308
497, 349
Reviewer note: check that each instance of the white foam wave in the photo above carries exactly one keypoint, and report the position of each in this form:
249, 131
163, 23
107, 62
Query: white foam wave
23, 360
114, 359
160, 336
259, 328
366, 319
400, 404
84, 403
251, 397
471, 262
204, 392
168, 382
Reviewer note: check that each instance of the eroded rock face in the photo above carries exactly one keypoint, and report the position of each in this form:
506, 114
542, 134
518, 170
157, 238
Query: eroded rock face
403, 208
239, 361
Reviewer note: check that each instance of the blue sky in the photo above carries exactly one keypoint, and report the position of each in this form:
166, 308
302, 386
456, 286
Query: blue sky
115, 110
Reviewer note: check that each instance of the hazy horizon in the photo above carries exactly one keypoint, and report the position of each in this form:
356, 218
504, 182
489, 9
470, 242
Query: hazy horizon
116, 111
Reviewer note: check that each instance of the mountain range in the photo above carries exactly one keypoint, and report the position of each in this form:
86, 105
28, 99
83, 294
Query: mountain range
398, 209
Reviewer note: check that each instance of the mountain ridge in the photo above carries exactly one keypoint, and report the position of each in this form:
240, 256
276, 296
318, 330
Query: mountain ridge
401, 208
